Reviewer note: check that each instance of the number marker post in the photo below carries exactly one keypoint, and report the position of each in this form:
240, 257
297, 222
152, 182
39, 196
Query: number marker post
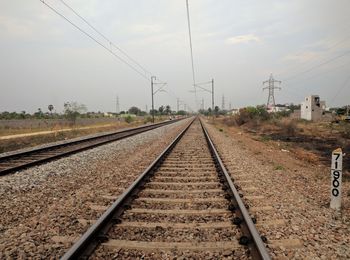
336, 176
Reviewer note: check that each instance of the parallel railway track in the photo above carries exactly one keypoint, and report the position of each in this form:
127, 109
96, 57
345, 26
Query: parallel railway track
184, 203
20, 160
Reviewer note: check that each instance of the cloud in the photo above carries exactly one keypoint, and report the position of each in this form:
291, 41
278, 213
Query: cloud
243, 39
302, 56
146, 28
15, 27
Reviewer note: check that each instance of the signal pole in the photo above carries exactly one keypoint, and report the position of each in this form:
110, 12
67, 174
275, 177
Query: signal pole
117, 105
271, 87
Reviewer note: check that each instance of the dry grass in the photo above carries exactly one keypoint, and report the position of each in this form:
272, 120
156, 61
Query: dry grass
30, 141
305, 155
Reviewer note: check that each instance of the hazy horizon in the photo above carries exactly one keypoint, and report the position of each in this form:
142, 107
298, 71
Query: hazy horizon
45, 60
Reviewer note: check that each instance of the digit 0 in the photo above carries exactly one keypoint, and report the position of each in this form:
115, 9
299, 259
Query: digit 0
335, 183
335, 192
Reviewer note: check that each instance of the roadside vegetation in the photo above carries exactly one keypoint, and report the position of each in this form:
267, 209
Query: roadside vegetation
310, 141
74, 121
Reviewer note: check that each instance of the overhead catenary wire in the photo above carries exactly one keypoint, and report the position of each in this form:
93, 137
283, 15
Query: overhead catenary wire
95, 40
191, 47
191, 50
104, 37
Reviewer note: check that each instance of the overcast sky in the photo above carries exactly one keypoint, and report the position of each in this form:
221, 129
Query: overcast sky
45, 60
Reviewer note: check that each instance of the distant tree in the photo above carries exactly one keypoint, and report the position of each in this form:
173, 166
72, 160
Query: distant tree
216, 110
209, 111
181, 113
142, 113
134, 110
50, 108
72, 110
155, 111
161, 110
167, 110
39, 113
122, 112
23, 114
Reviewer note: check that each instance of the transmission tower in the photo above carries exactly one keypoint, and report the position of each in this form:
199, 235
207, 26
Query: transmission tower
117, 105
271, 87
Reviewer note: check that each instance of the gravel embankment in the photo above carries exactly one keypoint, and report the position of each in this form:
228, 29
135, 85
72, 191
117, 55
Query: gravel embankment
180, 226
297, 192
42, 204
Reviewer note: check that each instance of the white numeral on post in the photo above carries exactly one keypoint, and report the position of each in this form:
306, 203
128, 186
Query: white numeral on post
336, 177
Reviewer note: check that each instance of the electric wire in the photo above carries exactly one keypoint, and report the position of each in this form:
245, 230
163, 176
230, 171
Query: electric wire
104, 37
96, 41
329, 48
318, 65
191, 50
340, 89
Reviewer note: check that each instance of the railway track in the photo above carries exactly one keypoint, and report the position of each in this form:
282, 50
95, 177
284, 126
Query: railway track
183, 204
20, 160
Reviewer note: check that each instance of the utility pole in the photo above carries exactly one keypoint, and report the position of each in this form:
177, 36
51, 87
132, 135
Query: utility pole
271, 87
177, 104
198, 85
153, 77
230, 106
154, 92
212, 95
223, 102
202, 105
117, 105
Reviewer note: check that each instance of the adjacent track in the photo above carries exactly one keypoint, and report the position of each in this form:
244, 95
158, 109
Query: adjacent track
184, 203
32, 157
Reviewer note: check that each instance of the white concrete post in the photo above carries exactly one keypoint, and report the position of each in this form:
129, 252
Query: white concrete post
336, 176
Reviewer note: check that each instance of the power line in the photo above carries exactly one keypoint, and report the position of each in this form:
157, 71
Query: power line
191, 49
92, 38
104, 37
329, 48
318, 65
340, 89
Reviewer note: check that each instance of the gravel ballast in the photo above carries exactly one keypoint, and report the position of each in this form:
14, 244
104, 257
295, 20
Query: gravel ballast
42, 205
290, 190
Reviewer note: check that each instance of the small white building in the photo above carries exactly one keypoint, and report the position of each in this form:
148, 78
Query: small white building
312, 108
234, 111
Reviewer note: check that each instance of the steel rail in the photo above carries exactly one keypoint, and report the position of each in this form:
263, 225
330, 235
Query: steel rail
251, 236
105, 138
97, 233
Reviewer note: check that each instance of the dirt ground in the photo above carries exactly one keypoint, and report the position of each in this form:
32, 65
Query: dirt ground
307, 141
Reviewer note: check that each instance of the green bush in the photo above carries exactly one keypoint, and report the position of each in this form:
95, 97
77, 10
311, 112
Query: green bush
128, 119
252, 114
